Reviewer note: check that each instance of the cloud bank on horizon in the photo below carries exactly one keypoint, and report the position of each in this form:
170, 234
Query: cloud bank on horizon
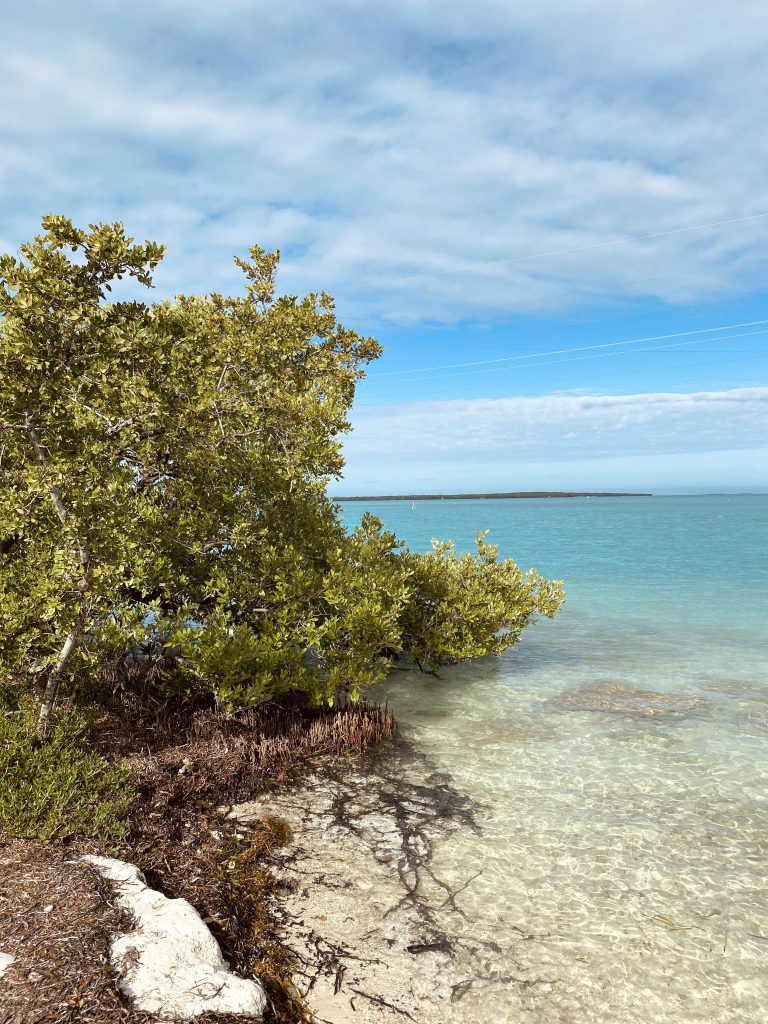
562, 442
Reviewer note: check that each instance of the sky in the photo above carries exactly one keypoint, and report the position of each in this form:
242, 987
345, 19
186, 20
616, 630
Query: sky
554, 216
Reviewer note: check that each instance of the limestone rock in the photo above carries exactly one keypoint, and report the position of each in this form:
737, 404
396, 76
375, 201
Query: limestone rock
620, 698
170, 964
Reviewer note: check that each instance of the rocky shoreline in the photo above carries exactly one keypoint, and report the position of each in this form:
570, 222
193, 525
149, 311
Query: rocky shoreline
373, 930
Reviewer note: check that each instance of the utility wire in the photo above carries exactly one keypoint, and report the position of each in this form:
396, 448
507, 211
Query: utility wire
601, 355
564, 351
443, 396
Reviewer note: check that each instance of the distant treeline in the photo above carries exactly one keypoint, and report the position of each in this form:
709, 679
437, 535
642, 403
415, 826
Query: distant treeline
509, 494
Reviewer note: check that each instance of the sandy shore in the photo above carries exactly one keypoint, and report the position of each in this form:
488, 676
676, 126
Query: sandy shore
379, 935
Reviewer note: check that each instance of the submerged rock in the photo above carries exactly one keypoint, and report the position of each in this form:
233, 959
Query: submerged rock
170, 964
619, 698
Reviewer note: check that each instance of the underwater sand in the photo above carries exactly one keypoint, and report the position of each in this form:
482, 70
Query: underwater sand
604, 822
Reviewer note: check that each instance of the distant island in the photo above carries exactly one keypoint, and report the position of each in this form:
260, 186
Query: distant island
508, 494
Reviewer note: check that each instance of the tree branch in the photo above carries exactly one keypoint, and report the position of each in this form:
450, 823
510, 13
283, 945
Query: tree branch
53, 682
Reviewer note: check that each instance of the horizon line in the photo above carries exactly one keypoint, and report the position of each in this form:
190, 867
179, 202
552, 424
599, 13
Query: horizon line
493, 494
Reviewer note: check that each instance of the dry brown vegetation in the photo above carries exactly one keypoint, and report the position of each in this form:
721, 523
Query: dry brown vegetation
186, 760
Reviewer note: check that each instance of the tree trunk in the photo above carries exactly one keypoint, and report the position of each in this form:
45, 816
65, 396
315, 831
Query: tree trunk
56, 673
51, 691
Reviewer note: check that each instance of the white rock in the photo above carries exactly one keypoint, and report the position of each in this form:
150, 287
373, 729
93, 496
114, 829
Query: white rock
5, 962
170, 964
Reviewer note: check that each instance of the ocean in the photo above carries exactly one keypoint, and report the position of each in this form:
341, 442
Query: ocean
617, 761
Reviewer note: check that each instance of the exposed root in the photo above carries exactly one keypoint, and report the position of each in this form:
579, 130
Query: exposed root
383, 1002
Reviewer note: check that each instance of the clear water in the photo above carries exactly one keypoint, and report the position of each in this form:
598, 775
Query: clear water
624, 834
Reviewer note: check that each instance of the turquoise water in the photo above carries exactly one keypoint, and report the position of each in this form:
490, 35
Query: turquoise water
618, 757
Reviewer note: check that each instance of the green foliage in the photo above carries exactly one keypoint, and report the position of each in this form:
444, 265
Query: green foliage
464, 606
52, 789
163, 472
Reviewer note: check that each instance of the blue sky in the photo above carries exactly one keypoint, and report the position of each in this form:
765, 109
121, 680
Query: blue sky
554, 216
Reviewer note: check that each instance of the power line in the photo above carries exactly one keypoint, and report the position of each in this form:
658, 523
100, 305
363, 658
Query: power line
565, 351
602, 355
548, 381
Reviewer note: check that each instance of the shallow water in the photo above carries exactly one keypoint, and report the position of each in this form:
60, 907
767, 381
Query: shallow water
618, 760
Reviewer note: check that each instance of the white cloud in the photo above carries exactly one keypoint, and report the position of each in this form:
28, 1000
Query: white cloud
414, 139
554, 440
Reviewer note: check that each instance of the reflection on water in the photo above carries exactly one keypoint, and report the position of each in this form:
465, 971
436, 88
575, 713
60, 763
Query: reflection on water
618, 760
